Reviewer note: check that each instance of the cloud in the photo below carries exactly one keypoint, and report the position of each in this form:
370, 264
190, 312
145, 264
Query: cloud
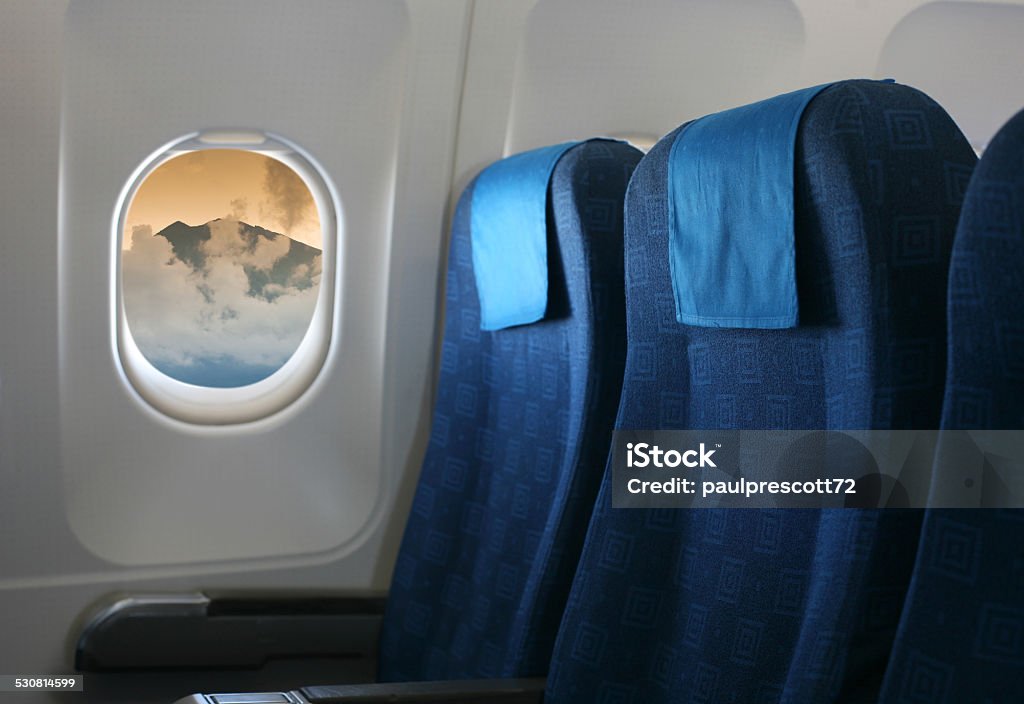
207, 319
228, 244
239, 209
289, 203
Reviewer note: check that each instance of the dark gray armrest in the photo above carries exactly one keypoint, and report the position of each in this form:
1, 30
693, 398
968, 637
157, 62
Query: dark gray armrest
199, 631
506, 691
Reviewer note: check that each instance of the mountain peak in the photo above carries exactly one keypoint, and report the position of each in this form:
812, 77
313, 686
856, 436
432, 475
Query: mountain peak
182, 225
240, 222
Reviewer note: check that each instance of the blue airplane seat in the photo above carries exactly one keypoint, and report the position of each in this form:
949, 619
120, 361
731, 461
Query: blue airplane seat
962, 634
521, 429
794, 605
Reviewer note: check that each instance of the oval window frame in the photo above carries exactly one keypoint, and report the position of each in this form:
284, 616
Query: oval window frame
206, 405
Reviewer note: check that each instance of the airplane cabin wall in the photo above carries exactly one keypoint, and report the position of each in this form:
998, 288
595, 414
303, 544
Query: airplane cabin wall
481, 79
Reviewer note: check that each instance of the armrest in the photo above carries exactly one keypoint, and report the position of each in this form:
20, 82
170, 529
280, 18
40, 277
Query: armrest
242, 631
503, 691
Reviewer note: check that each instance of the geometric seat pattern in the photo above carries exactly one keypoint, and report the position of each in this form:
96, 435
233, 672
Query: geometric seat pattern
520, 434
798, 605
962, 634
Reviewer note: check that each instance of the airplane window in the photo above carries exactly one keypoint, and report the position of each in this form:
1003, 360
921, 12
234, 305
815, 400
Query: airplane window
221, 266
221, 262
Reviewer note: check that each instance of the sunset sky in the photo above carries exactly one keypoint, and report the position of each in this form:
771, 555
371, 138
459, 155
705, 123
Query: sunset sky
215, 183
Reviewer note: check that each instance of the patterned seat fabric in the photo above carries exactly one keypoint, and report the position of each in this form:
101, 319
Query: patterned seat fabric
962, 634
520, 433
798, 605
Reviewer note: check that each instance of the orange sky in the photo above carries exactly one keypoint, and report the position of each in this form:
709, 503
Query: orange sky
214, 183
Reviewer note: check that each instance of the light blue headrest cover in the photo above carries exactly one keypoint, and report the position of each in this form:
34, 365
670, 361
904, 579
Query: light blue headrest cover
731, 211
508, 231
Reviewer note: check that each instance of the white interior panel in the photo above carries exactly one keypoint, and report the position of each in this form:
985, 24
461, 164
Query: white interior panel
388, 150
969, 56
140, 487
640, 68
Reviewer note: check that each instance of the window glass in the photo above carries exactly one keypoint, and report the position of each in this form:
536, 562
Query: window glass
221, 262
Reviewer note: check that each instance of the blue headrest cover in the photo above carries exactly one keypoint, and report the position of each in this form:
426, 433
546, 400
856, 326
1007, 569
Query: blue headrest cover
508, 231
731, 213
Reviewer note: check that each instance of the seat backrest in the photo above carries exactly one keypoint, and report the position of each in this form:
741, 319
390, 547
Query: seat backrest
792, 605
961, 637
521, 428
